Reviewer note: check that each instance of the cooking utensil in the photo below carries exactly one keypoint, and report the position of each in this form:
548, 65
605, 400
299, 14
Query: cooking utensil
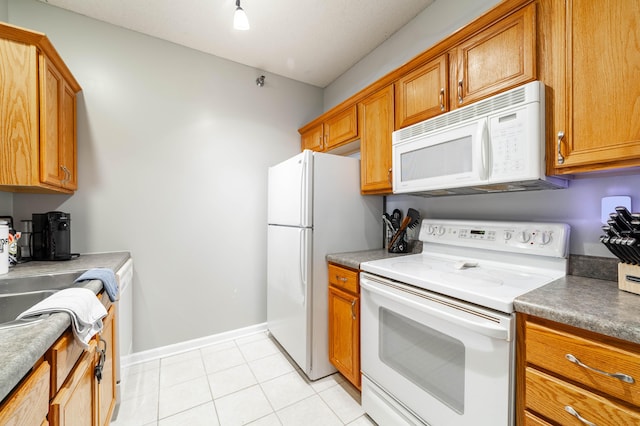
411, 221
396, 219
387, 219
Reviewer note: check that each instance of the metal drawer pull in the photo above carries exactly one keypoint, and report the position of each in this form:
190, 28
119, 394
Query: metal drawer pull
569, 409
353, 309
620, 376
441, 99
339, 278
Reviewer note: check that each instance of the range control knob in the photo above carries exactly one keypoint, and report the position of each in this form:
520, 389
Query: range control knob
507, 235
431, 230
441, 230
524, 236
545, 237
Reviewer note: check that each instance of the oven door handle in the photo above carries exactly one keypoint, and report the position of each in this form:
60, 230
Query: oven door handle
486, 329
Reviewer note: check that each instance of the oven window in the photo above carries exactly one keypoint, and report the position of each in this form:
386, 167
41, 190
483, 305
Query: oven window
444, 159
428, 358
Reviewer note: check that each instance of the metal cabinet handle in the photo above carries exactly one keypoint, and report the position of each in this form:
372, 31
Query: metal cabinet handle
441, 99
67, 175
460, 99
620, 376
389, 176
560, 137
353, 309
569, 409
339, 278
97, 371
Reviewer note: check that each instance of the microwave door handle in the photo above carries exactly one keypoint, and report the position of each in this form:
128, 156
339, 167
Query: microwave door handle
485, 150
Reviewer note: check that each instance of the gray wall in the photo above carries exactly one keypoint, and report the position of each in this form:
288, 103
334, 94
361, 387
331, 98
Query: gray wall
579, 205
173, 150
4, 10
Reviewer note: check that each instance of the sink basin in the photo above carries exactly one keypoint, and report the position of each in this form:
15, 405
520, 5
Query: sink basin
12, 305
19, 294
38, 283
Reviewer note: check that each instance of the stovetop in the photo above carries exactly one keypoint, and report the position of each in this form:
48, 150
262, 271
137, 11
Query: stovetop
486, 263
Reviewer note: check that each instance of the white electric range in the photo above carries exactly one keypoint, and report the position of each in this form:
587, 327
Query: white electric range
437, 328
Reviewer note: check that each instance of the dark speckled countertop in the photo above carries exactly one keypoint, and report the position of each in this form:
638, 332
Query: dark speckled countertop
587, 298
21, 347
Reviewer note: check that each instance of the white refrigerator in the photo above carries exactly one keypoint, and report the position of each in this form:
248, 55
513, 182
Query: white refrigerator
314, 208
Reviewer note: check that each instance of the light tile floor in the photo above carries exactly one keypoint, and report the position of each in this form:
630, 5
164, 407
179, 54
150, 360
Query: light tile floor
245, 381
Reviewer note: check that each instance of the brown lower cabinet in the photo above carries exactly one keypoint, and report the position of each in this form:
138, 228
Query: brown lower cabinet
571, 376
63, 390
344, 322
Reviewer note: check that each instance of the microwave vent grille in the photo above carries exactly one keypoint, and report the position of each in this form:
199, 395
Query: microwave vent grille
470, 112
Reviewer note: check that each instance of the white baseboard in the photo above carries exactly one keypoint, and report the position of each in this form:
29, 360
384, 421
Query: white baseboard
189, 345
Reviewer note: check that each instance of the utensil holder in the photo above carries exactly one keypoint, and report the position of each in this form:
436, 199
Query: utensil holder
629, 278
401, 244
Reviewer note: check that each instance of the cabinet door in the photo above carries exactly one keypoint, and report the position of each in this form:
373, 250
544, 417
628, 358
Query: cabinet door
422, 93
596, 86
68, 139
57, 129
313, 139
499, 58
51, 150
18, 114
341, 128
74, 403
29, 402
375, 114
344, 334
107, 386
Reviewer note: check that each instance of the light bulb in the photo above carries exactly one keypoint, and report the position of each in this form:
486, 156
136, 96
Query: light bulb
240, 20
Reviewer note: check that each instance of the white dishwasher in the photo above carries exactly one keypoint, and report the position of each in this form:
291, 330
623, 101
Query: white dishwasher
124, 324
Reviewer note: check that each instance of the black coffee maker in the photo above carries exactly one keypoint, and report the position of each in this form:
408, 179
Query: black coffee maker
51, 237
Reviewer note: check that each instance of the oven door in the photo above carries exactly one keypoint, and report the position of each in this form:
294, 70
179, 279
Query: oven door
445, 361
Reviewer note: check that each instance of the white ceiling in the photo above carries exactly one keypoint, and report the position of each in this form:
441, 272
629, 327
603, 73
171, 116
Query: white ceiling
313, 41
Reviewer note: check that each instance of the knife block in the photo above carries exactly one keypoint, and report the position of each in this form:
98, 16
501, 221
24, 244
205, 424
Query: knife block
629, 278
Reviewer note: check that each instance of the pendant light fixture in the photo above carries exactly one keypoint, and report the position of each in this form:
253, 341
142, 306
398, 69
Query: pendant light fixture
240, 20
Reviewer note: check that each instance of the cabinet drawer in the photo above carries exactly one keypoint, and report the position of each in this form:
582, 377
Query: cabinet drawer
343, 278
29, 403
552, 398
62, 356
548, 348
531, 419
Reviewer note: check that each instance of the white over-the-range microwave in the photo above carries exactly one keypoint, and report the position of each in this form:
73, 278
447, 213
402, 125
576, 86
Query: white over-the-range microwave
494, 145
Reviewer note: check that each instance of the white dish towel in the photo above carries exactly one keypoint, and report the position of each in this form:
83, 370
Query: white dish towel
81, 304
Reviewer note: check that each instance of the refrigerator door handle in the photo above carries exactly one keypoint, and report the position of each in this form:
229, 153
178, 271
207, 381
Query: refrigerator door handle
303, 266
303, 192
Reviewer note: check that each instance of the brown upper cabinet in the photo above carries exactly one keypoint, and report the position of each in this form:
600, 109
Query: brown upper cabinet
594, 51
375, 113
422, 93
496, 59
37, 115
313, 138
332, 132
